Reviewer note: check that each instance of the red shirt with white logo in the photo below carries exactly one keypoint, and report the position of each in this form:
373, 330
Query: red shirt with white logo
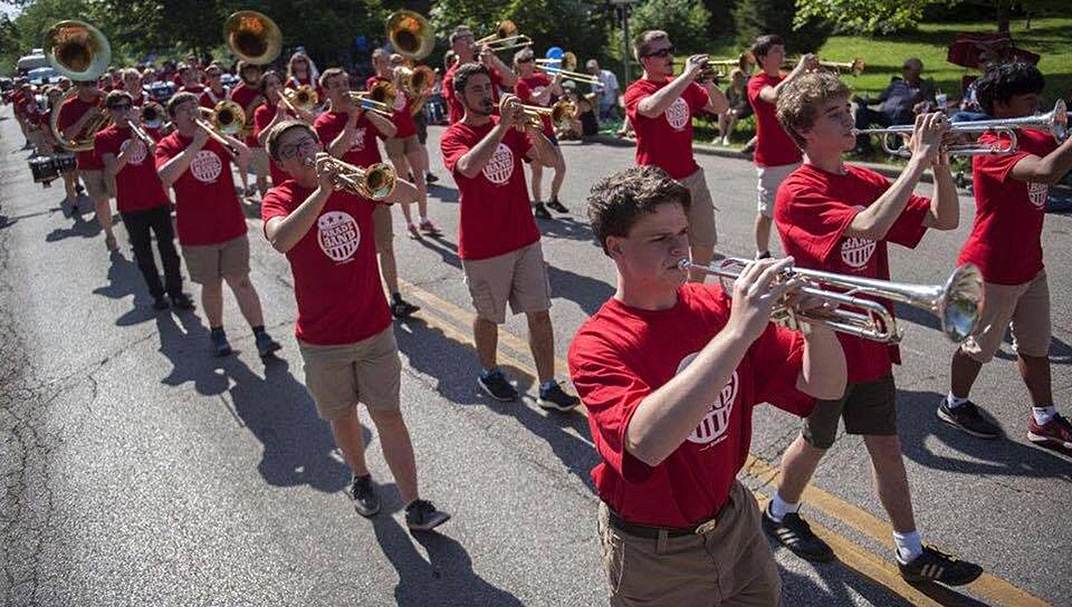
774, 147
1006, 239
207, 210
527, 89
243, 95
623, 354
665, 141
454, 103
70, 112
262, 117
363, 150
405, 126
496, 217
813, 210
137, 185
336, 277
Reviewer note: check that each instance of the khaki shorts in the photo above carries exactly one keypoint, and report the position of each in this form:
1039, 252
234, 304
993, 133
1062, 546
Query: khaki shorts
383, 227
368, 371
869, 409
210, 263
1026, 308
518, 277
769, 180
702, 231
405, 146
729, 565
258, 162
96, 185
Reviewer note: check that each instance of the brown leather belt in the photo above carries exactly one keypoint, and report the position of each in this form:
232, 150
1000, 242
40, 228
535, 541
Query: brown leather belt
647, 531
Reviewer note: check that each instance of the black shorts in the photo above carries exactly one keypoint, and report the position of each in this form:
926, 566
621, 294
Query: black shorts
868, 409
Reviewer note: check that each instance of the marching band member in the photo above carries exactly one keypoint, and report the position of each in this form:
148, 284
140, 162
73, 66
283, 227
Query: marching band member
271, 113
498, 242
75, 115
535, 88
776, 156
142, 202
132, 85
417, 108
247, 93
344, 328
300, 73
661, 108
191, 79
350, 133
839, 218
211, 224
214, 91
70, 178
403, 148
1006, 244
465, 49
670, 373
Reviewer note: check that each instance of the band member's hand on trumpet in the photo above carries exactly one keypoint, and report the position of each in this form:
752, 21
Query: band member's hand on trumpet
929, 138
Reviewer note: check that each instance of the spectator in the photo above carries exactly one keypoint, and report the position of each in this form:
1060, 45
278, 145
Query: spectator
584, 123
607, 89
900, 102
737, 94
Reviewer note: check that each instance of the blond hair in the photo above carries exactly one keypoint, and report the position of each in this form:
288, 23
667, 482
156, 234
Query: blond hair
801, 98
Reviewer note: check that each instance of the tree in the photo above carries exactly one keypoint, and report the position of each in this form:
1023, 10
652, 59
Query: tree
887, 16
801, 34
686, 21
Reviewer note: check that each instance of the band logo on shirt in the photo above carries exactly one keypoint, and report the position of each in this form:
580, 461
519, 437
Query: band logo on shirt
712, 428
1037, 193
501, 166
357, 140
338, 235
677, 115
856, 252
135, 150
206, 166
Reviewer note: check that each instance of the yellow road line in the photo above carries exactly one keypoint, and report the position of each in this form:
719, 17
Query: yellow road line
880, 569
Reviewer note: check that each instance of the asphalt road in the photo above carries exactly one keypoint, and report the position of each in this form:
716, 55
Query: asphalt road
138, 470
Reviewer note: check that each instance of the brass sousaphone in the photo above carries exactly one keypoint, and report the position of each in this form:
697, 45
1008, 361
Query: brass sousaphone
80, 52
410, 34
253, 37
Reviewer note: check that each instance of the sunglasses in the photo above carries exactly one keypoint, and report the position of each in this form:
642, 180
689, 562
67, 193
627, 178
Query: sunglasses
662, 54
529, 60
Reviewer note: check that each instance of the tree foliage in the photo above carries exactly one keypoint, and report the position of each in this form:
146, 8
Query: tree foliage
889, 16
686, 21
801, 34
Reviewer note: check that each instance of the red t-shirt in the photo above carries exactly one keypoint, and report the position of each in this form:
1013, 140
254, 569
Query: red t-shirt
623, 354
210, 98
363, 151
1006, 239
666, 141
402, 119
243, 95
137, 185
527, 89
196, 89
336, 277
774, 147
813, 210
457, 111
262, 117
73, 109
496, 217
294, 83
207, 210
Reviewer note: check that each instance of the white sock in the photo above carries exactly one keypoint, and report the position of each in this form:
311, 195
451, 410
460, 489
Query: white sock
909, 545
953, 402
1044, 415
779, 508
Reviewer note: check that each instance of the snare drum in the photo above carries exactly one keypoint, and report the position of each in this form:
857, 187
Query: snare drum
65, 163
44, 169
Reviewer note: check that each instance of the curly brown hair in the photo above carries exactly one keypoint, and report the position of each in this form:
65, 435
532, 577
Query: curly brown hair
799, 102
617, 201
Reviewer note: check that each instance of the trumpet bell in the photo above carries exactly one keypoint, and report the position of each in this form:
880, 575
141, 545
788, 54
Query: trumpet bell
379, 181
227, 117
304, 97
961, 302
411, 34
253, 37
77, 50
418, 80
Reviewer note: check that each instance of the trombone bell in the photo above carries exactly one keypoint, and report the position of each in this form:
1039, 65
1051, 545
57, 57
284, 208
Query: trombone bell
77, 50
410, 34
253, 37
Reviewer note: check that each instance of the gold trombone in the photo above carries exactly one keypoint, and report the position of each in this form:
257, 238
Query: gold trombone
957, 303
226, 118
81, 52
380, 98
410, 34
375, 182
506, 37
416, 81
855, 67
561, 113
567, 66
1054, 122
302, 98
253, 37
150, 116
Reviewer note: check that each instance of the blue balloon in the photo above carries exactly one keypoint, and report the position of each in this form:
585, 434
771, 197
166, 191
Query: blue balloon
554, 52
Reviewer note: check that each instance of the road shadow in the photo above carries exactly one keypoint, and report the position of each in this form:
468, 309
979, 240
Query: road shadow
442, 193
125, 280
79, 229
298, 446
916, 423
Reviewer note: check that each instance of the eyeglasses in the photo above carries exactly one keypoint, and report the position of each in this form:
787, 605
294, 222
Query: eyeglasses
290, 151
662, 53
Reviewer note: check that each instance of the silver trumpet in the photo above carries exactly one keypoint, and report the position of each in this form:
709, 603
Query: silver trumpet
1054, 122
957, 303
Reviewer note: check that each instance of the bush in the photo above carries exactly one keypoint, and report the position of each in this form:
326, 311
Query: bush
685, 21
754, 18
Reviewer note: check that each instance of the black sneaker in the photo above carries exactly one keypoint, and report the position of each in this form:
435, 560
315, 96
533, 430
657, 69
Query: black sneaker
363, 493
795, 534
553, 397
265, 344
555, 205
495, 384
936, 566
430, 178
220, 345
967, 418
421, 515
161, 303
540, 211
182, 301
401, 308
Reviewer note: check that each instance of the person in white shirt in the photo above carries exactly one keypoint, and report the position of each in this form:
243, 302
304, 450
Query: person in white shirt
607, 89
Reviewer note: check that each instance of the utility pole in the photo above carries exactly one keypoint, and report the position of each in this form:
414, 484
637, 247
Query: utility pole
623, 7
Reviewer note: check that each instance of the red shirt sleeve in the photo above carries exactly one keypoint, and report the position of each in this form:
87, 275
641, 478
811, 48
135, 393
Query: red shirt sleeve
165, 151
452, 147
262, 118
817, 220
697, 98
778, 355
523, 91
633, 96
274, 205
520, 143
998, 166
908, 230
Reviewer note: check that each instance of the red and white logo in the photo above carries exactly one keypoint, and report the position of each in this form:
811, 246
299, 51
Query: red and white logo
1037, 193
206, 166
712, 428
135, 150
677, 115
501, 166
856, 252
357, 140
338, 235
